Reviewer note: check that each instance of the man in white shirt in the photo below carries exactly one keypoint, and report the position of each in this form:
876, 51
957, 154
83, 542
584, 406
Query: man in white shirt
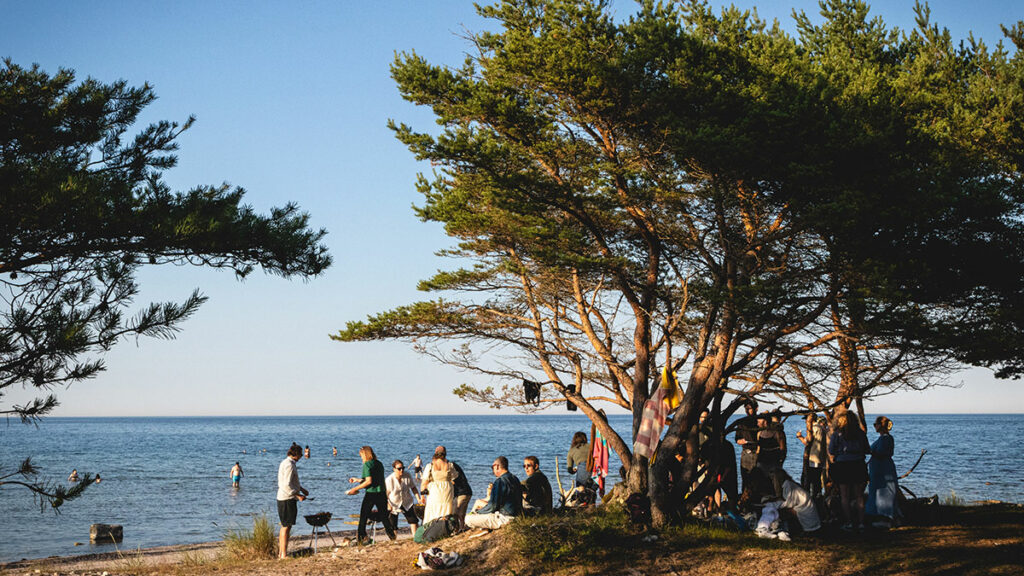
402, 496
289, 491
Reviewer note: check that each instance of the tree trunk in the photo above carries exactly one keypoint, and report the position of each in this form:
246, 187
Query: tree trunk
681, 437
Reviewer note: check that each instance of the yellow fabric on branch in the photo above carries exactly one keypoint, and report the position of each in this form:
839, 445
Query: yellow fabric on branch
673, 394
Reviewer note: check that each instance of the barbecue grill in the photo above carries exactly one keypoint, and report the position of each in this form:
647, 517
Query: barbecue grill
318, 521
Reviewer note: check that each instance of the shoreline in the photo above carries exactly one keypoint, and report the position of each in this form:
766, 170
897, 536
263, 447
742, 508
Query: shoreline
170, 553
933, 542
296, 542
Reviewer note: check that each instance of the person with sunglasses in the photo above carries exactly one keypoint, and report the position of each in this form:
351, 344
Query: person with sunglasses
504, 502
402, 496
536, 489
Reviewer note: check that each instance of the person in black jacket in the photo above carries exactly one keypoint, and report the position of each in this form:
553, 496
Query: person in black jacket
536, 488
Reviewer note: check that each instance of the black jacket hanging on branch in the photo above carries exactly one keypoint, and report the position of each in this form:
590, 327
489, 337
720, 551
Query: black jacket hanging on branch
531, 390
571, 389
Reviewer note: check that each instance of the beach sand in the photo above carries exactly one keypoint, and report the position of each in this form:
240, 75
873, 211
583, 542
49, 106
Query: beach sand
383, 557
969, 541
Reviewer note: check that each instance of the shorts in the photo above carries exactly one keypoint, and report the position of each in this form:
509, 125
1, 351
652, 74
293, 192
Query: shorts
849, 472
410, 517
287, 511
236, 478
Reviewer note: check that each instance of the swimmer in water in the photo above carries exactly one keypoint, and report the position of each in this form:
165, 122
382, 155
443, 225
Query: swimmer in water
236, 474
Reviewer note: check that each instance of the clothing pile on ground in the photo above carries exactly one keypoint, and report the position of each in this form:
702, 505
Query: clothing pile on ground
437, 559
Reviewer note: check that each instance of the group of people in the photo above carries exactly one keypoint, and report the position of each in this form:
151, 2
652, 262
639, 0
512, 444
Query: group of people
443, 491
834, 470
833, 464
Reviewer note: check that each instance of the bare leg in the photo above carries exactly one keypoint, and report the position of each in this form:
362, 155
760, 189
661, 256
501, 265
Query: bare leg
282, 541
860, 503
844, 495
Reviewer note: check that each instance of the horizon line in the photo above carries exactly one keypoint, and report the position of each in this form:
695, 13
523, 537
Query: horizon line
567, 413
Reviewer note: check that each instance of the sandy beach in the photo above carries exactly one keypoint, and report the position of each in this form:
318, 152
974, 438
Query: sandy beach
971, 540
383, 557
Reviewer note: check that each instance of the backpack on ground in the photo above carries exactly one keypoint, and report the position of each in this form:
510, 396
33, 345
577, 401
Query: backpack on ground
437, 529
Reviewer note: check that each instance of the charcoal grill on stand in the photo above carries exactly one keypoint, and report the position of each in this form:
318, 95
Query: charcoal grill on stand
318, 521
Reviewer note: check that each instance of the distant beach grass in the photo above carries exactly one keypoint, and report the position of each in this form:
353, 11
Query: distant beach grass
953, 500
255, 544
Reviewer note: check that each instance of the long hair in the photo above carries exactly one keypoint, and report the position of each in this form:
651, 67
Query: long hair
579, 439
367, 452
852, 423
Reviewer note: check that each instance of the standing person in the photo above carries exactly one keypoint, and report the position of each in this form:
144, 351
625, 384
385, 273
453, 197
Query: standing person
416, 468
306, 454
847, 447
460, 483
725, 479
814, 455
437, 485
771, 444
334, 451
780, 432
402, 494
236, 474
374, 498
746, 439
289, 491
504, 502
576, 460
536, 488
883, 484
727, 470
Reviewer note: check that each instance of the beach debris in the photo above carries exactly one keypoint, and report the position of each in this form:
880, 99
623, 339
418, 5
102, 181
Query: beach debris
106, 533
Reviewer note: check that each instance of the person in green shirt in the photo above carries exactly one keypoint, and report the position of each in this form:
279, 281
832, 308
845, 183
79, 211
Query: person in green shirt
375, 496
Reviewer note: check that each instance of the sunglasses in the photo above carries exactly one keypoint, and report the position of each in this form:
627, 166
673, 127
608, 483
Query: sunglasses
399, 468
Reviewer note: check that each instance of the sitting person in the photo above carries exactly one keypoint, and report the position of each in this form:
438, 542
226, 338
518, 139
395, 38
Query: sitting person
797, 499
576, 460
536, 489
504, 500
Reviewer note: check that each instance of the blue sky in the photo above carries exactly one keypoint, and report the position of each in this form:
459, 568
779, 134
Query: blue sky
292, 100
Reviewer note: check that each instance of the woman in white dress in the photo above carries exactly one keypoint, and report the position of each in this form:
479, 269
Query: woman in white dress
437, 483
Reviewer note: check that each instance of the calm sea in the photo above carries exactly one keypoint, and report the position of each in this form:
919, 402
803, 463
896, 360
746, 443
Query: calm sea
166, 479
